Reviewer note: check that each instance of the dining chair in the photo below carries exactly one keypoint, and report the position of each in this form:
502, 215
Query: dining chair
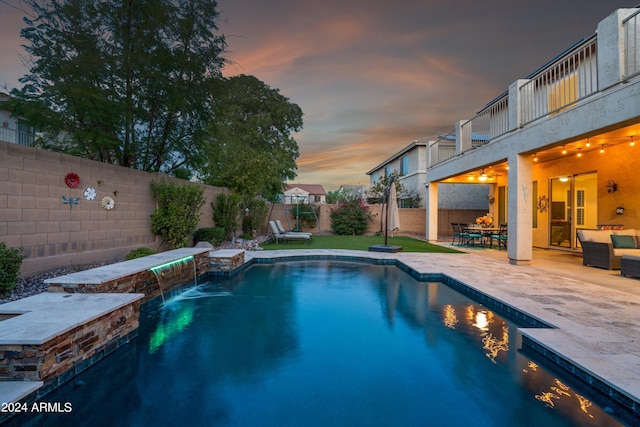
457, 233
500, 237
474, 236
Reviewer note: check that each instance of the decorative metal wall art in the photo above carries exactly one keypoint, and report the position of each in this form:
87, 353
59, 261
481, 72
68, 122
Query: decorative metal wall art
543, 203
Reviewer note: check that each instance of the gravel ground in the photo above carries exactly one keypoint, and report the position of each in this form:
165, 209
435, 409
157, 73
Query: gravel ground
33, 285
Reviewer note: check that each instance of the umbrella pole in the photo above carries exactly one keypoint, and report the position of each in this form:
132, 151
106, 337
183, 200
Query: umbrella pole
386, 222
386, 213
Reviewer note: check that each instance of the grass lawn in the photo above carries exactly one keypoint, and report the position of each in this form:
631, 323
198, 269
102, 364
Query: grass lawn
362, 243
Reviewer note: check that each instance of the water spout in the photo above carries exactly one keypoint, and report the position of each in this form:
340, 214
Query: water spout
172, 270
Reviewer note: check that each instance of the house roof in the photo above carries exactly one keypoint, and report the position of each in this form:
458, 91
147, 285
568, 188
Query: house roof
315, 189
416, 143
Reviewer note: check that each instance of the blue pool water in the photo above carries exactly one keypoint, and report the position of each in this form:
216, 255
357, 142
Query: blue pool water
321, 344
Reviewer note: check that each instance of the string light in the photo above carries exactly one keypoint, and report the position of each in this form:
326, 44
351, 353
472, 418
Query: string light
632, 142
579, 152
588, 143
535, 157
601, 148
564, 150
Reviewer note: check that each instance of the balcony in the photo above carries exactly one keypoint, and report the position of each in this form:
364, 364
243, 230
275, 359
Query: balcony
563, 83
15, 136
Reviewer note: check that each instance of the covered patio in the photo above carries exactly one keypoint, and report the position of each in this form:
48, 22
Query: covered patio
558, 148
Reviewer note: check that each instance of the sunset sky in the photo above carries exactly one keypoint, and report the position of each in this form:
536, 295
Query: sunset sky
372, 76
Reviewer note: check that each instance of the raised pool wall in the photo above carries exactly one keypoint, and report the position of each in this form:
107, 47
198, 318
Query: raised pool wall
135, 276
71, 352
47, 339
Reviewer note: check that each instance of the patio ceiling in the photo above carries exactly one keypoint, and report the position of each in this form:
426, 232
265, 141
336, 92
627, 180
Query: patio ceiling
624, 135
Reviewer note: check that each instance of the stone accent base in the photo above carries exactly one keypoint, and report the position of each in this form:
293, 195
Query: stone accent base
78, 348
226, 260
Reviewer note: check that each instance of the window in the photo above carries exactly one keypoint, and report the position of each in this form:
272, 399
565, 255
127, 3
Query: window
387, 171
404, 165
375, 178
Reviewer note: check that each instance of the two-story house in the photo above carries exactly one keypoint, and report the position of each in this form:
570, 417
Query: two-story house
559, 148
410, 164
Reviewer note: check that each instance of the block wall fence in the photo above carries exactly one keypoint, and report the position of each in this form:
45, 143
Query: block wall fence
55, 234
412, 221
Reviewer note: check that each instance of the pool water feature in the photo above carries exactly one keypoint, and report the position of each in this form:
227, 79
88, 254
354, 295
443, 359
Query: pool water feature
321, 343
172, 273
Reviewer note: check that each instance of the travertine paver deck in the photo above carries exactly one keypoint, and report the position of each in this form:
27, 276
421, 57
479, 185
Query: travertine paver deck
597, 327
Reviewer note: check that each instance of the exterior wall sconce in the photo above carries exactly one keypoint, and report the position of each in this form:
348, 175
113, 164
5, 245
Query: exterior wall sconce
619, 210
611, 186
492, 199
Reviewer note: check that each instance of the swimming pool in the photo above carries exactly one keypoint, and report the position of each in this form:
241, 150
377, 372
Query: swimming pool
321, 343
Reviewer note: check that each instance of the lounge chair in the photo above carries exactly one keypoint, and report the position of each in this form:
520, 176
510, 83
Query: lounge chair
282, 229
277, 235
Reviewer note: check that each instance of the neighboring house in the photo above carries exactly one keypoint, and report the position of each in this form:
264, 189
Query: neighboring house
13, 129
354, 192
557, 148
304, 193
410, 163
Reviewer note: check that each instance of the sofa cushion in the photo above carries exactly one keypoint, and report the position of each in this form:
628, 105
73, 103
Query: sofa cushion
623, 241
600, 236
625, 251
627, 232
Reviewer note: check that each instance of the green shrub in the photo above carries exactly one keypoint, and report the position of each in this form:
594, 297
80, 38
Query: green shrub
254, 218
305, 212
139, 253
350, 218
178, 212
225, 213
10, 262
213, 235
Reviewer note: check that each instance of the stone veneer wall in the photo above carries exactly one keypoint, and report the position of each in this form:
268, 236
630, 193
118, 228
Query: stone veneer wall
226, 260
72, 352
143, 282
54, 234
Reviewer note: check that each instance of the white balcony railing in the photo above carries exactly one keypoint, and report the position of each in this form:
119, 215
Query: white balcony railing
632, 45
8, 134
565, 81
490, 123
442, 149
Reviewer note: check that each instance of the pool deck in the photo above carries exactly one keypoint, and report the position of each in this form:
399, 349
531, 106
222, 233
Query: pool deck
594, 311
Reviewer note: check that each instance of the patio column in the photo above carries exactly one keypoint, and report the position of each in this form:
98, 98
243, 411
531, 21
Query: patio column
431, 204
520, 210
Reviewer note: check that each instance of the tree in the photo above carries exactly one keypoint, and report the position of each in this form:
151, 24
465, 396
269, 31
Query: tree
129, 83
251, 150
376, 192
336, 196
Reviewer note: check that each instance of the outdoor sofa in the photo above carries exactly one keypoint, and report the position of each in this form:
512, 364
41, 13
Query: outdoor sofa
605, 248
630, 265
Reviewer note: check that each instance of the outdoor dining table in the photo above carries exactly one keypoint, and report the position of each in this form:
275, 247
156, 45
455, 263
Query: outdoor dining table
485, 232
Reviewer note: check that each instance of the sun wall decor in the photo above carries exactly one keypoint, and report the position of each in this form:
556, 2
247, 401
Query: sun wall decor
108, 203
72, 180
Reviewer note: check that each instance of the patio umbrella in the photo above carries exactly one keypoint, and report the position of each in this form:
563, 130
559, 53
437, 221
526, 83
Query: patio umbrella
393, 213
